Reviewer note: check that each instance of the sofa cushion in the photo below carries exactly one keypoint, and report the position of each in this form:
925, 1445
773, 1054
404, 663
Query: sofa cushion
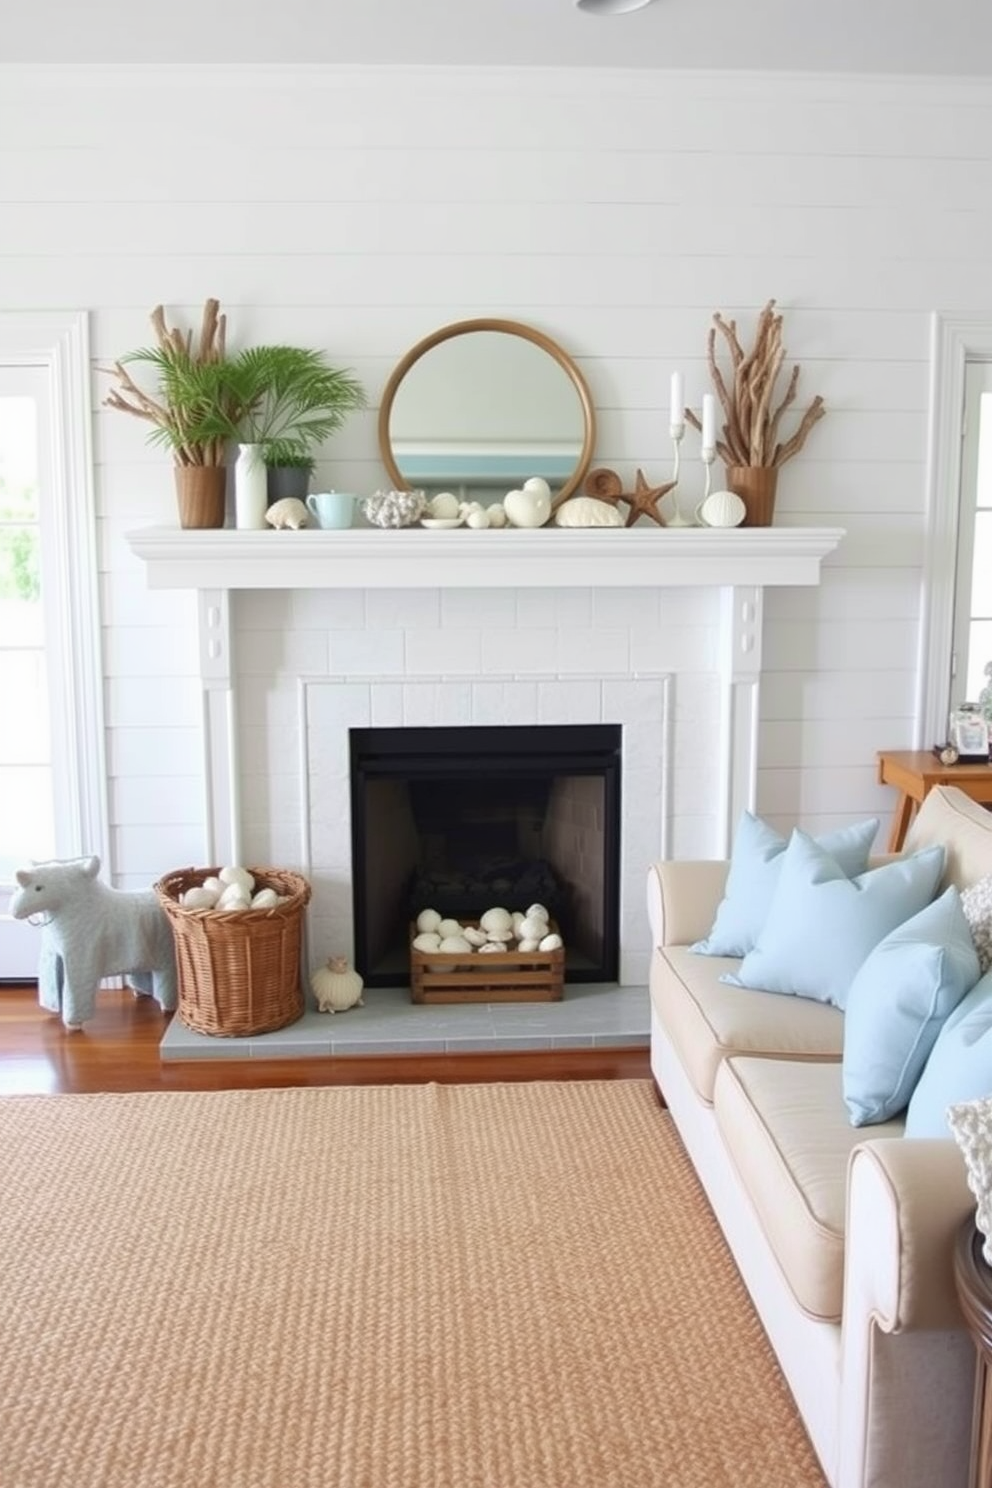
786, 1129
898, 1003
960, 1065
706, 1021
962, 827
822, 924
755, 864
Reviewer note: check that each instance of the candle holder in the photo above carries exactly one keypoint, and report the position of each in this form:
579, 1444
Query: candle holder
677, 431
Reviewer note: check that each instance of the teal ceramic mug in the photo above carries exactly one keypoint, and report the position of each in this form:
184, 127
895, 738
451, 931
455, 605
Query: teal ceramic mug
332, 508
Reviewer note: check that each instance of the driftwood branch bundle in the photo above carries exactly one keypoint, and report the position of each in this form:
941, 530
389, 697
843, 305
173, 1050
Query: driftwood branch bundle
747, 396
172, 343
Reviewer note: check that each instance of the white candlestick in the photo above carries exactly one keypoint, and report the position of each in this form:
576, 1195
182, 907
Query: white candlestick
676, 416
709, 422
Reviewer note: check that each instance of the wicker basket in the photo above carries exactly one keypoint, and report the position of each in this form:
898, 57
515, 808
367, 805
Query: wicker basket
239, 972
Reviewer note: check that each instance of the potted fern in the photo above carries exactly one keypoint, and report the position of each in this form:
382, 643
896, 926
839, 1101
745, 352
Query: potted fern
292, 400
194, 402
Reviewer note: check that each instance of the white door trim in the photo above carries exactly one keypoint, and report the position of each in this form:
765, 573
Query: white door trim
953, 340
58, 342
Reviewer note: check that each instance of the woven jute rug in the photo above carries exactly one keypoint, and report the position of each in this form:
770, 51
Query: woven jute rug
480, 1286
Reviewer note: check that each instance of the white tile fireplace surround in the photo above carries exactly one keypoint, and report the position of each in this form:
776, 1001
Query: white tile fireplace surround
306, 635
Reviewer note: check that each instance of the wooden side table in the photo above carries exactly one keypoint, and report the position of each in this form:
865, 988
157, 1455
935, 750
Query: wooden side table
973, 1280
915, 772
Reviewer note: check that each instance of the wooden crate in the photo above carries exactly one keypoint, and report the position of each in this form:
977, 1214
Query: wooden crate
492, 976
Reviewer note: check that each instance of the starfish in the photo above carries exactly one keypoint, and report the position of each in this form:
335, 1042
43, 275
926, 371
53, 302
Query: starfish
643, 500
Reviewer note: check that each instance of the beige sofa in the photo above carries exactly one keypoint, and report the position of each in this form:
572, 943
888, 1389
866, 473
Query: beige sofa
843, 1235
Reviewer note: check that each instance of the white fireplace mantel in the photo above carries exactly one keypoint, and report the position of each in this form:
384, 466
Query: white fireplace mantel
546, 558
739, 563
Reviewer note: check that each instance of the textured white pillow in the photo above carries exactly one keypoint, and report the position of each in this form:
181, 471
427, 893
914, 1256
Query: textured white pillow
977, 905
971, 1127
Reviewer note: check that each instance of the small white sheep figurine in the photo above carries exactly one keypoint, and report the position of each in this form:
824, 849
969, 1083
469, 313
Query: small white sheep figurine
91, 931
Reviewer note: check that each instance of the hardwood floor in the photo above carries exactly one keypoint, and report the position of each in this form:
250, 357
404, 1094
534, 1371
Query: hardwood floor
118, 1051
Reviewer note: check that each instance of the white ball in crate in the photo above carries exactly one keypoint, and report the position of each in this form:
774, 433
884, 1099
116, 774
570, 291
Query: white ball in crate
473, 936
454, 945
537, 911
534, 927
427, 940
496, 919
551, 943
449, 927
428, 919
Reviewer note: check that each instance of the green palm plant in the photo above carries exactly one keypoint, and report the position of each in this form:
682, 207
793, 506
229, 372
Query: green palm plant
290, 401
196, 399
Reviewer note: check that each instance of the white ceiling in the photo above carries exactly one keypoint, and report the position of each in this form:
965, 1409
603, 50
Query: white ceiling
846, 36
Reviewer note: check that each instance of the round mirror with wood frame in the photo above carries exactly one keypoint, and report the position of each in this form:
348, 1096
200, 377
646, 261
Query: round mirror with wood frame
479, 406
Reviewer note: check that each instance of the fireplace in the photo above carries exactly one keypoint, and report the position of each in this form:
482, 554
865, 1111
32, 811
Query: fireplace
461, 819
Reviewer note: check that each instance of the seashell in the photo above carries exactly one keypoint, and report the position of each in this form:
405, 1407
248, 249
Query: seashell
199, 898
443, 505
449, 927
550, 943
477, 520
503, 936
528, 945
394, 508
290, 512
427, 940
527, 508
534, 927
721, 509
586, 511
490, 946
496, 919
497, 514
454, 945
428, 919
518, 919
473, 936
539, 911
265, 899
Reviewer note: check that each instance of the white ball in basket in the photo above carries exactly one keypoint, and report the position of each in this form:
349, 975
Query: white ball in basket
237, 875
528, 945
337, 986
265, 899
496, 919
551, 943
449, 927
428, 919
537, 910
234, 897
454, 945
534, 927
473, 936
199, 898
215, 885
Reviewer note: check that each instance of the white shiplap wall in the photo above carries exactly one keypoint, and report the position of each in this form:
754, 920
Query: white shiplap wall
358, 209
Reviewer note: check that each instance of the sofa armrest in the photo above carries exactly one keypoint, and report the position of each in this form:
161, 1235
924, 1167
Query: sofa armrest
906, 1201
683, 898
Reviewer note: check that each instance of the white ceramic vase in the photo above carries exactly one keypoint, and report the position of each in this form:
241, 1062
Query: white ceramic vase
250, 488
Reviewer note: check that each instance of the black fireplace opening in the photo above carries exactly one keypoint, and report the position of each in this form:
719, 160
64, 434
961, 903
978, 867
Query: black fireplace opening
464, 819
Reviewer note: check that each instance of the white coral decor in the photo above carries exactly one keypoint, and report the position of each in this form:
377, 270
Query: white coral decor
971, 1124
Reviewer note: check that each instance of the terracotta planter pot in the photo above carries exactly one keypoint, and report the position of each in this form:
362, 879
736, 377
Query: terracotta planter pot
756, 486
201, 492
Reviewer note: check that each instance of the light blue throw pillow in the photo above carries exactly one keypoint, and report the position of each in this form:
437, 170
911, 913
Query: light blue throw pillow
960, 1066
898, 1003
755, 864
822, 925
